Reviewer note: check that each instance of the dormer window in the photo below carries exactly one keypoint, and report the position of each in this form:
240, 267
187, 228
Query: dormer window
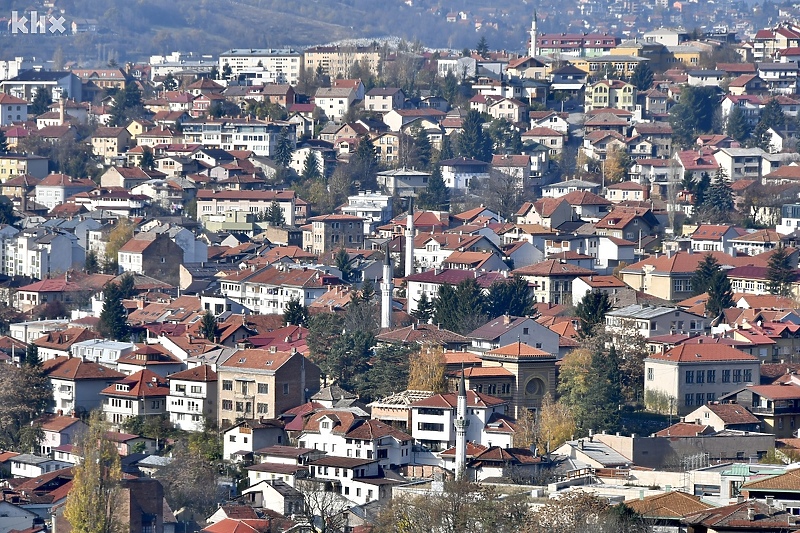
326, 425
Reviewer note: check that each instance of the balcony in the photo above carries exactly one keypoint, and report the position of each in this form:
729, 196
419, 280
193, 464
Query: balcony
774, 411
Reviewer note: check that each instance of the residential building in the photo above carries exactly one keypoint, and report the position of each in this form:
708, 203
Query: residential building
335, 103
256, 384
214, 202
610, 94
331, 232
59, 84
191, 403
284, 65
55, 188
651, 321
775, 406
381, 100
141, 394
433, 419
41, 253
110, 143
459, 173
689, 375
402, 181
373, 208
714, 238
335, 61
552, 280
341, 434
152, 254
722, 416
77, 384
12, 164
59, 430
12, 109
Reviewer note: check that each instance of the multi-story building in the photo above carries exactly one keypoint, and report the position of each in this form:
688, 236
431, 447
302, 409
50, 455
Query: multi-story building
12, 109
575, 44
610, 94
552, 280
255, 384
680, 379
267, 291
59, 84
285, 64
257, 136
39, 253
432, 419
653, 321
340, 433
77, 384
192, 400
213, 202
55, 188
151, 254
21, 164
336, 61
141, 394
331, 232
335, 102
374, 208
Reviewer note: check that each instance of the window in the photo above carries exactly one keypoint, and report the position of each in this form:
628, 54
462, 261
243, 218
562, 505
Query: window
700, 376
227, 384
748, 375
737, 375
726, 376
262, 408
649, 374
690, 376
196, 389
286, 388
227, 405
239, 407
232, 438
429, 426
689, 400
701, 398
711, 376
263, 388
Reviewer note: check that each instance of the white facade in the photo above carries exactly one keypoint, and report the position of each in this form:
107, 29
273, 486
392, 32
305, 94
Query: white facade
285, 64
653, 321
30, 466
373, 207
434, 427
39, 254
191, 403
103, 351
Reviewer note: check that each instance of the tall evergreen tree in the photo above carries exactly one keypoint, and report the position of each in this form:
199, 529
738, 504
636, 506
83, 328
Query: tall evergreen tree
701, 189
32, 356
642, 77
208, 326
772, 115
473, 142
284, 149
760, 137
591, 311
694, 114
703, 274
436, 195
604, 394
471, 305
718, 205
423, 149
41, 101
720, 294
483, 47
148, 161
311, 167
445, 305
425, 308
736, 126
275, 215
446, 151
341, 260
780, 272
364, 164
113, 318
295, 313
513, 298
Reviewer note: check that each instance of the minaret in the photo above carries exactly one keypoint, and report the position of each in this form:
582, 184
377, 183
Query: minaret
410, 237
461, 424
533, 49
387, 287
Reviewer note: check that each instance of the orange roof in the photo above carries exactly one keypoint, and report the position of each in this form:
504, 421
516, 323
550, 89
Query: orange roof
684, 429
74, 368
670, 505
144, 383
702, 353
519, 349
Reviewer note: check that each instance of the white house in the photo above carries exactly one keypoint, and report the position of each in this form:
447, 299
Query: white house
652, 321
351, 477
192, 398
77, 384
335, 102
245, 437
141, 394
59, 430
30, 466
460, 173
432, 419
103, 351
340, 433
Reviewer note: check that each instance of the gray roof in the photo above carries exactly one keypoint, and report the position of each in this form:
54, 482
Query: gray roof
642, 311
574, 183
497, 327
30, 459
602, 453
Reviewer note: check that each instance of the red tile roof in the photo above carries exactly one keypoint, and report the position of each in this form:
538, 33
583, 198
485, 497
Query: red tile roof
702, 353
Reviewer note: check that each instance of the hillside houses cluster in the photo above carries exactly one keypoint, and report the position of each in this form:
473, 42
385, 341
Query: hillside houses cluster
215, 227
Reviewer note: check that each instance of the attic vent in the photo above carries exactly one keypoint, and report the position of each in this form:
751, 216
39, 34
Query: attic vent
242, 360
269, 363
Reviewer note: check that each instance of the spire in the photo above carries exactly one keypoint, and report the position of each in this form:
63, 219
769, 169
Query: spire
462, 386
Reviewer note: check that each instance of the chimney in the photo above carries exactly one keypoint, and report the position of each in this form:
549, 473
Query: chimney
751, 514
